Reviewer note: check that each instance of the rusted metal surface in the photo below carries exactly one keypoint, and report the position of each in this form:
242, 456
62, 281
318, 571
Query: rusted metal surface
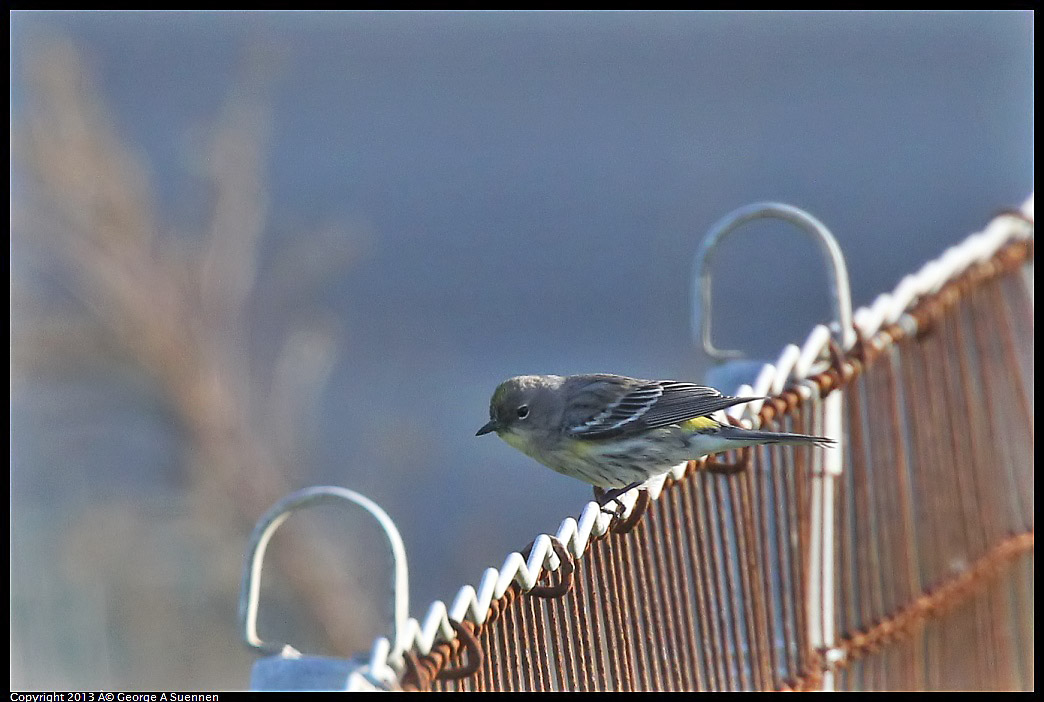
704, 588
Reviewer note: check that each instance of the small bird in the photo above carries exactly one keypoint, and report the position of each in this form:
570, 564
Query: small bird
617, 432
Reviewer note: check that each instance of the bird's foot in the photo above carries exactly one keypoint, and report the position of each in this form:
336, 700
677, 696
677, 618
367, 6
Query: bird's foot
604, 497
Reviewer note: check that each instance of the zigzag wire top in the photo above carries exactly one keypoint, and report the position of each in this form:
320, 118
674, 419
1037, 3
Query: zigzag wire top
794, 365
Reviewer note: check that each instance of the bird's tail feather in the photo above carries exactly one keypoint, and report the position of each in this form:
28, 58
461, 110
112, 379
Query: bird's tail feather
752, 437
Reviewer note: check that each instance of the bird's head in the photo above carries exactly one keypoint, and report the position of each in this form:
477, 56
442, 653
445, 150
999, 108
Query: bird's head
521, 403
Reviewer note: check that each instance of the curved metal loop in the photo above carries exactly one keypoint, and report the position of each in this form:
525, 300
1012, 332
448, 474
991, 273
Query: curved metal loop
474, 654
842, 327
264, 529
416, 677
568, 565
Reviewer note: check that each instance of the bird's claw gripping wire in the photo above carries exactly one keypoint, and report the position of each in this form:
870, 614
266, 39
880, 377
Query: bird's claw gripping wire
604, 497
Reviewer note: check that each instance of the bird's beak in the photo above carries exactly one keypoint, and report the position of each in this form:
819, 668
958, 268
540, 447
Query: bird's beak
491, 425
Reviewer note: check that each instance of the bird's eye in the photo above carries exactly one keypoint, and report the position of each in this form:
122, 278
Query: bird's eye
523, 411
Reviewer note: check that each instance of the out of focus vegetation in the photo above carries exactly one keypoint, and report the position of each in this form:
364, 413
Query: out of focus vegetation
125, 574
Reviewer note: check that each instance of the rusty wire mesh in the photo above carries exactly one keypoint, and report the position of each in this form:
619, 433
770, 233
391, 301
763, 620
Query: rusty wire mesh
933, 537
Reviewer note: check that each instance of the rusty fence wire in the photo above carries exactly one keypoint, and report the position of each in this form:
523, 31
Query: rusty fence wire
706, 587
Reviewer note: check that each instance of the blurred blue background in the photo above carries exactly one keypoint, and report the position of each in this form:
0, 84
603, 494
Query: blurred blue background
441, 201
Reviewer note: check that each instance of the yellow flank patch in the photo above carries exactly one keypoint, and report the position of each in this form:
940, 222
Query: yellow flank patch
580, 448
698, 423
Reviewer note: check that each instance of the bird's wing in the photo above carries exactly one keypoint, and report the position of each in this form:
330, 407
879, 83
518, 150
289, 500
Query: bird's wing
647, 405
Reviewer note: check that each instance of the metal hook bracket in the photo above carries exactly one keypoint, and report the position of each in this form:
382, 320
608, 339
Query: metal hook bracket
842, 297
251, 586
842, 337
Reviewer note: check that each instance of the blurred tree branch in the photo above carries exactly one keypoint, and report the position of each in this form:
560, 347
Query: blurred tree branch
178, 311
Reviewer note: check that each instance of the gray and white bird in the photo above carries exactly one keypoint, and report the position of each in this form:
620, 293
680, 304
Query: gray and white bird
617, 432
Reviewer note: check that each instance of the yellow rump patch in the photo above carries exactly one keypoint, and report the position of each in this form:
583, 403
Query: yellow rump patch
698, 423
